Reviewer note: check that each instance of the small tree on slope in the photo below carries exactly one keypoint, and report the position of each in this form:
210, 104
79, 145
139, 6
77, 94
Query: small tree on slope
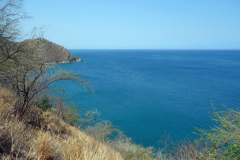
225, 136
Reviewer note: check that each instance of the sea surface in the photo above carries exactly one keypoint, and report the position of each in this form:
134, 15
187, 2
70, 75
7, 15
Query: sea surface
146, 93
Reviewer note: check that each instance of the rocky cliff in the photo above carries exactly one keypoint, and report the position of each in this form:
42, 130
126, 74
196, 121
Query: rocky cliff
53, 53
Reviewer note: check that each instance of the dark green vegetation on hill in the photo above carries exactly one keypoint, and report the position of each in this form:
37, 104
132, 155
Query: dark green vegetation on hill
34, 124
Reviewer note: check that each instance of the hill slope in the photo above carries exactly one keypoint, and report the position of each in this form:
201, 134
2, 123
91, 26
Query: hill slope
22, 140
53, 53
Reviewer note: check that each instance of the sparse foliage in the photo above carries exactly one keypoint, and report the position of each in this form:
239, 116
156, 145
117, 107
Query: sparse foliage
67, 110
29, 75
101, 130
225, 136
11, 13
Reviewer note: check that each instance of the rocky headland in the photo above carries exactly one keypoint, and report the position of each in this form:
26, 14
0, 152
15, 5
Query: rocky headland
53, 53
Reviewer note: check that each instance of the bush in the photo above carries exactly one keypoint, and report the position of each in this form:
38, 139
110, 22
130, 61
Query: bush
106, 132
225, 136
71, 115
44, 104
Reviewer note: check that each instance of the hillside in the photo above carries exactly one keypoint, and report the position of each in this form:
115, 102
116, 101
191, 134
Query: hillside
53, 53
20, 139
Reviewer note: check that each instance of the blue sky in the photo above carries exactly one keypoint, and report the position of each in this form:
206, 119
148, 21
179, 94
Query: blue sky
137, 24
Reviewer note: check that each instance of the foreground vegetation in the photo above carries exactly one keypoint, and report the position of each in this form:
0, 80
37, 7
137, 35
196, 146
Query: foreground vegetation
46, 134
34, 124
54, 139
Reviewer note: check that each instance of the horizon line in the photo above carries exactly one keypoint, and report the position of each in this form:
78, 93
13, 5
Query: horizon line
154, 49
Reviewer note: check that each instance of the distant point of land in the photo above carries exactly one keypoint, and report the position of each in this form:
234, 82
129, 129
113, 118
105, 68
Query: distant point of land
54, 53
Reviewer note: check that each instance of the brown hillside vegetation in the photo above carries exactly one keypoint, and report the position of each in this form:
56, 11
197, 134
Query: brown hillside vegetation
20, 140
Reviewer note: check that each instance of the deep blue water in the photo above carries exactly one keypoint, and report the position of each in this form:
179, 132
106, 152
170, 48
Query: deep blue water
147, 92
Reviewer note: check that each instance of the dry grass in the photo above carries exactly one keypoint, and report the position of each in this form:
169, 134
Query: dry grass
6, 95
75, 146
14, 134
19, 140
46, 146
89, 147
105, 132
185, 150
131, 151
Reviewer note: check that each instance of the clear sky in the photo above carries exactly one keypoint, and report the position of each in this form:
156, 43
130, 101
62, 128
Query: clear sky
137, 24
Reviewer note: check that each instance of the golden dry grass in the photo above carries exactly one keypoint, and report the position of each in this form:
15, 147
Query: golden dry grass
89, 147
23, 141
46, 146
6, 95
14, 134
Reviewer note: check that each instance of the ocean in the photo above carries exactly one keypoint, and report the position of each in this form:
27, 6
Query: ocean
146, 93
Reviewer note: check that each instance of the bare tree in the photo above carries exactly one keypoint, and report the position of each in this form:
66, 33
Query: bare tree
29, 75
11, 13
23, 67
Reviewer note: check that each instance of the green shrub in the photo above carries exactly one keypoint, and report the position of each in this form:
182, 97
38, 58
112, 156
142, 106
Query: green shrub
45, 103
224, 137
71, 115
